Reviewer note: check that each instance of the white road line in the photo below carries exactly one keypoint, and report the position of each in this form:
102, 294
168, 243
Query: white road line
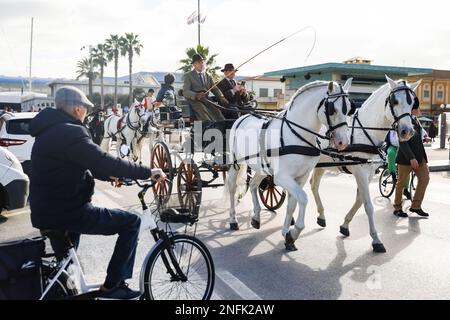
234, 283
17, 213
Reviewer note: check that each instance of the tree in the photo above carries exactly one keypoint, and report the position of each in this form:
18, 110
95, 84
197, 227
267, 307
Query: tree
113, 47
130, 45
101, 60
86, 68
210, 61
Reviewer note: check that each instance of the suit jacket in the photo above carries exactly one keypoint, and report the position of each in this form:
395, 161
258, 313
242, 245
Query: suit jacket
413, 148
234, 98
193, 85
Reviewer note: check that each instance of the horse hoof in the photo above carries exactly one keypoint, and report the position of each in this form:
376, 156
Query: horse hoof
345, 232
290, 242
290, 247
234, 226
292, 222
256, 224
379, 248
321, 222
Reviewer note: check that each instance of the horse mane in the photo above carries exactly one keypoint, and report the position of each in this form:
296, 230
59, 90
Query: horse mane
306, 87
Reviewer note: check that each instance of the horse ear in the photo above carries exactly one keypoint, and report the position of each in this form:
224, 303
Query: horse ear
348, 84
415, 85
330, 87
392, 83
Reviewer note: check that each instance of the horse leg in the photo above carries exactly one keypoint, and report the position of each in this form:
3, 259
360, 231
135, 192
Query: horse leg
363, 181
295, 189
291, 205
231, 186
254, 184
315, 183
344, 229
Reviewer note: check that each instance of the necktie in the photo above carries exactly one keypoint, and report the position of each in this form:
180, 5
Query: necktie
201, 78
233, 83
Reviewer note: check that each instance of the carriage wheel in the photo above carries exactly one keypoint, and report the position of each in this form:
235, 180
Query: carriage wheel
189, 185
271, 195
386, 183
161, 159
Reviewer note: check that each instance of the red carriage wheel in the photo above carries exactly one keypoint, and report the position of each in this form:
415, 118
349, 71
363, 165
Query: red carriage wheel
189, 184
161, 159
271, 195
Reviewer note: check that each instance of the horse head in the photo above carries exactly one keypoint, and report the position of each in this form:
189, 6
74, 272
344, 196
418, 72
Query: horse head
399, 104
333, 112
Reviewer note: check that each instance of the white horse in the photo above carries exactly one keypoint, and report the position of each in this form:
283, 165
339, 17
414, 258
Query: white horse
128, 130
388, 107
285, 147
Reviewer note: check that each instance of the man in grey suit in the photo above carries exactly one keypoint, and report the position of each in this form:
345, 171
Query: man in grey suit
196, 83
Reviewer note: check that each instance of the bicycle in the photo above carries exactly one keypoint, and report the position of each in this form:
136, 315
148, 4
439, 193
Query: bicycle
178, 266
388, 181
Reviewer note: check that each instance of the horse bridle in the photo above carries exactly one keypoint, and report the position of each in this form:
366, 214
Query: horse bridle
392, 101
130, 124
330, 109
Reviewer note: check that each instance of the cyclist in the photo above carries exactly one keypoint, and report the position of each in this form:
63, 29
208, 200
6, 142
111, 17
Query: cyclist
65, 162
392, 145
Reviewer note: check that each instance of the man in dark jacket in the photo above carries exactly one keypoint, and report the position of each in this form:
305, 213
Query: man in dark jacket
412, 156
65, 162
236, 94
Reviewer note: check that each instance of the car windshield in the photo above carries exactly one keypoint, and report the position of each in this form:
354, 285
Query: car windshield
19, 126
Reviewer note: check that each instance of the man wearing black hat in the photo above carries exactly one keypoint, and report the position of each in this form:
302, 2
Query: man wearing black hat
411, 156
235, 93
196, 83
65, 162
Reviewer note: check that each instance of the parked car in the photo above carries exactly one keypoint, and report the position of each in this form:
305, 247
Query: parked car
14, 183
15, 136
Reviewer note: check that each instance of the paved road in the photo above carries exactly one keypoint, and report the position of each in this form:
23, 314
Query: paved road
252, 264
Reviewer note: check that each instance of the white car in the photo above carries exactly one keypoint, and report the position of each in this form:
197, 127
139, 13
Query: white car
14, 184
15, 137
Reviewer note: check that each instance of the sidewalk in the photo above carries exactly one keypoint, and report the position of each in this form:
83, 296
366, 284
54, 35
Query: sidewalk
434, 153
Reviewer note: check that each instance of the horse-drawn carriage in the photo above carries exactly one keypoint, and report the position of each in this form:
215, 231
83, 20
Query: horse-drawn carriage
190, 162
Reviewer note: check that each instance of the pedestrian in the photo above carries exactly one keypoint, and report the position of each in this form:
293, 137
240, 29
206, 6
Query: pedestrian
392, 145
432, 131
65, 162
411, 156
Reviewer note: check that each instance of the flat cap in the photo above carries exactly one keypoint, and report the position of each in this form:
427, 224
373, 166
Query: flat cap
71, 96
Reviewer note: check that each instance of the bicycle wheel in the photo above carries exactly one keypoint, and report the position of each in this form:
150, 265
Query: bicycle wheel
386, 183
62, 288
162, 282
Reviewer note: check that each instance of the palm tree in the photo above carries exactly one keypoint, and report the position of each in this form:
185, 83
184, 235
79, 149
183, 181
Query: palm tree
210, 61
86, 68
130, 45
113, 47
101, 60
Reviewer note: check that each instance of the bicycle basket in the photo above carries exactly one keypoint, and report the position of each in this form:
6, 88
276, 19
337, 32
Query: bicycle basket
182, 207
20, 269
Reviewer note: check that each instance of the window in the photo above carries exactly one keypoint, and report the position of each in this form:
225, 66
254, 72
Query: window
277, 92
18, 126
426, 94
263, 92
440, 95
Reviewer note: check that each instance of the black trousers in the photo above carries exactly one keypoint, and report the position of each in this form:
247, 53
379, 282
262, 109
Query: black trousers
107, 222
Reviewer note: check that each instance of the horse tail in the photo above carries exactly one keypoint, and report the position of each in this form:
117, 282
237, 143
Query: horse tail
241, 181
107, 135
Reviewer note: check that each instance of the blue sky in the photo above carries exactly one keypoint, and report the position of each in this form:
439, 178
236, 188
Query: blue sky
401, 33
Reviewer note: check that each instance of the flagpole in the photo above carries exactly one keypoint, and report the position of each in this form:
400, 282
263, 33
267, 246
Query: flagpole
198, 20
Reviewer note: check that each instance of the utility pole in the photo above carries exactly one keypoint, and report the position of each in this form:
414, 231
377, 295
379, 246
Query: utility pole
198, 20
31, 53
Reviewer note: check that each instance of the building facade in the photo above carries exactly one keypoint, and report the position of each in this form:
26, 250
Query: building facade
268, 91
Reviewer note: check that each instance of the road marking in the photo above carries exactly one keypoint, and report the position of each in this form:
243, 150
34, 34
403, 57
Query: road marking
17, 213
234, 283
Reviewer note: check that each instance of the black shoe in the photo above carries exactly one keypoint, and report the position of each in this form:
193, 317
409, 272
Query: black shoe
420, 212
120, 292
400, 214
407, 194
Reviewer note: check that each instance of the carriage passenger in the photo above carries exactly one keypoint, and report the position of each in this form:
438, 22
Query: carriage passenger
235, 93
148, 103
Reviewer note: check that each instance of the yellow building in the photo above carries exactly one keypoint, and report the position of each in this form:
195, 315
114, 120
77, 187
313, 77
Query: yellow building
433, 92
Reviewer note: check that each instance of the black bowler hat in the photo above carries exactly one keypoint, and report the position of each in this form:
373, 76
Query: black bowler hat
197, 57
228, 67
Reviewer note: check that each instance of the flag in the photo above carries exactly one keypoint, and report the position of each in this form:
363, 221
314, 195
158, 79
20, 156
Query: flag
191, 19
